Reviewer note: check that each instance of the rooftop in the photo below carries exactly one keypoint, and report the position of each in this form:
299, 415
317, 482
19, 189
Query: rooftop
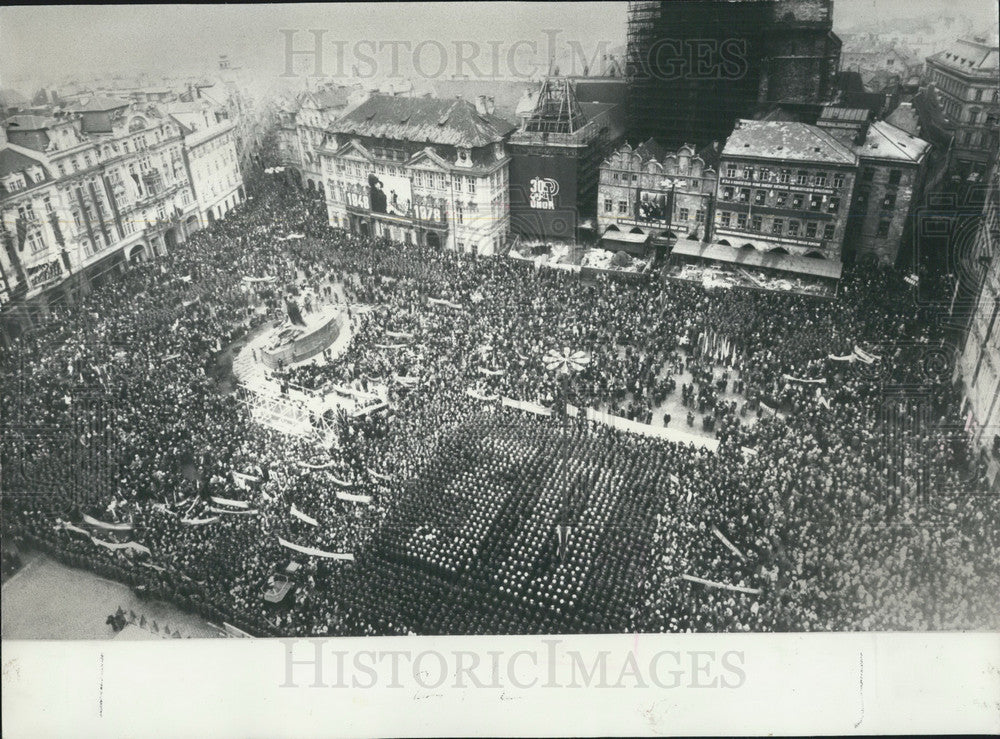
431, 120
970, 56
26, 122
99, 104
331, 97
786, 140
905, 118
14, 158
885, 141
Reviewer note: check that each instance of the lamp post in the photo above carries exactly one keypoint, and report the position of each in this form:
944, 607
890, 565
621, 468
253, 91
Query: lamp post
563, 364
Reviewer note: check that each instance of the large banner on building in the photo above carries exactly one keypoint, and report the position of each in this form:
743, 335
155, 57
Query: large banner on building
543, 194
389, 194
652, 207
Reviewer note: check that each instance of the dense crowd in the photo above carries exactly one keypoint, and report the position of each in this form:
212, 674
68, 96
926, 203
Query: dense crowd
841, 495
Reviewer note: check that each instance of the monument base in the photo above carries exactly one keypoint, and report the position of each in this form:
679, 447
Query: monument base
291, 343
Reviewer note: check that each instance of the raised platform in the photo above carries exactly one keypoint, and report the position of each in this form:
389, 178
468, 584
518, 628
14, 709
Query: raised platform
289, 343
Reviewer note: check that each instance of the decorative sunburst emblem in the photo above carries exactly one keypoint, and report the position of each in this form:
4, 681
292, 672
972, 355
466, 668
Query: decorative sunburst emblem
565, 361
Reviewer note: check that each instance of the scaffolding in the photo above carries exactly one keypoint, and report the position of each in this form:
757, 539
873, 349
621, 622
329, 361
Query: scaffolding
295, 413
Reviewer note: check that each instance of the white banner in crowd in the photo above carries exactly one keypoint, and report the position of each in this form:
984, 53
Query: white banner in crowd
366, 499
399, 335
266, 278
214, 509
229, 501
107, 526
303, 517
404, 380
622, 424
523, 405
448, 303
661, 432
821, 381
377, 476
342, 483
60, 524
491, 372
729, 545
724, 586
391, 346
199, 521
865, 356
313, 552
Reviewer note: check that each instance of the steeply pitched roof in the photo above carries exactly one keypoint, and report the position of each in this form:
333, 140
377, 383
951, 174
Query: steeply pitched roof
786, 140
432, 120
14, 158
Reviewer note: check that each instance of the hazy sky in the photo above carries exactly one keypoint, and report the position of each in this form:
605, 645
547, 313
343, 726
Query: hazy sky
40, 45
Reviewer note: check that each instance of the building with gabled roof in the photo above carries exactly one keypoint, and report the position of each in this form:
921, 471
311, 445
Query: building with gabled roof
664, 195
422, 170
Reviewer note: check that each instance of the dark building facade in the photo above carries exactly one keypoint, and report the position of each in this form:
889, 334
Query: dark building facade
556, 159
695, 67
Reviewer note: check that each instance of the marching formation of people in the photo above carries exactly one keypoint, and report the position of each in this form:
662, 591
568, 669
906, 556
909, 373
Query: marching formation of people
841, 494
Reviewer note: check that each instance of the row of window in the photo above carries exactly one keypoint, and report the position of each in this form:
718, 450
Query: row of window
784, 176
497, 180
683, 214
777, 227
961, 89
782, 199
86, 161
682, 182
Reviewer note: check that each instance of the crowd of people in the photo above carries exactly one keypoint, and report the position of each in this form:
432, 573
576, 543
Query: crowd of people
841, 494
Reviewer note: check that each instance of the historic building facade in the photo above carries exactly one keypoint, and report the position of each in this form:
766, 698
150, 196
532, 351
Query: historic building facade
421, 170
966, 77
784, 188
978, 365
116, 183
892, 169
212, 159
652, 191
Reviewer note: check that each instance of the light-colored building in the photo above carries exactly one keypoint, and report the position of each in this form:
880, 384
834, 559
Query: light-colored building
422, 170
36, 252
784, 188
211, 156
966, 76
317, 110
979, 363
655, 192
116, 184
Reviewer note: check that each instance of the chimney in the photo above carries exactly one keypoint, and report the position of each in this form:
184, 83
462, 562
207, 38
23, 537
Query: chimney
481, 105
